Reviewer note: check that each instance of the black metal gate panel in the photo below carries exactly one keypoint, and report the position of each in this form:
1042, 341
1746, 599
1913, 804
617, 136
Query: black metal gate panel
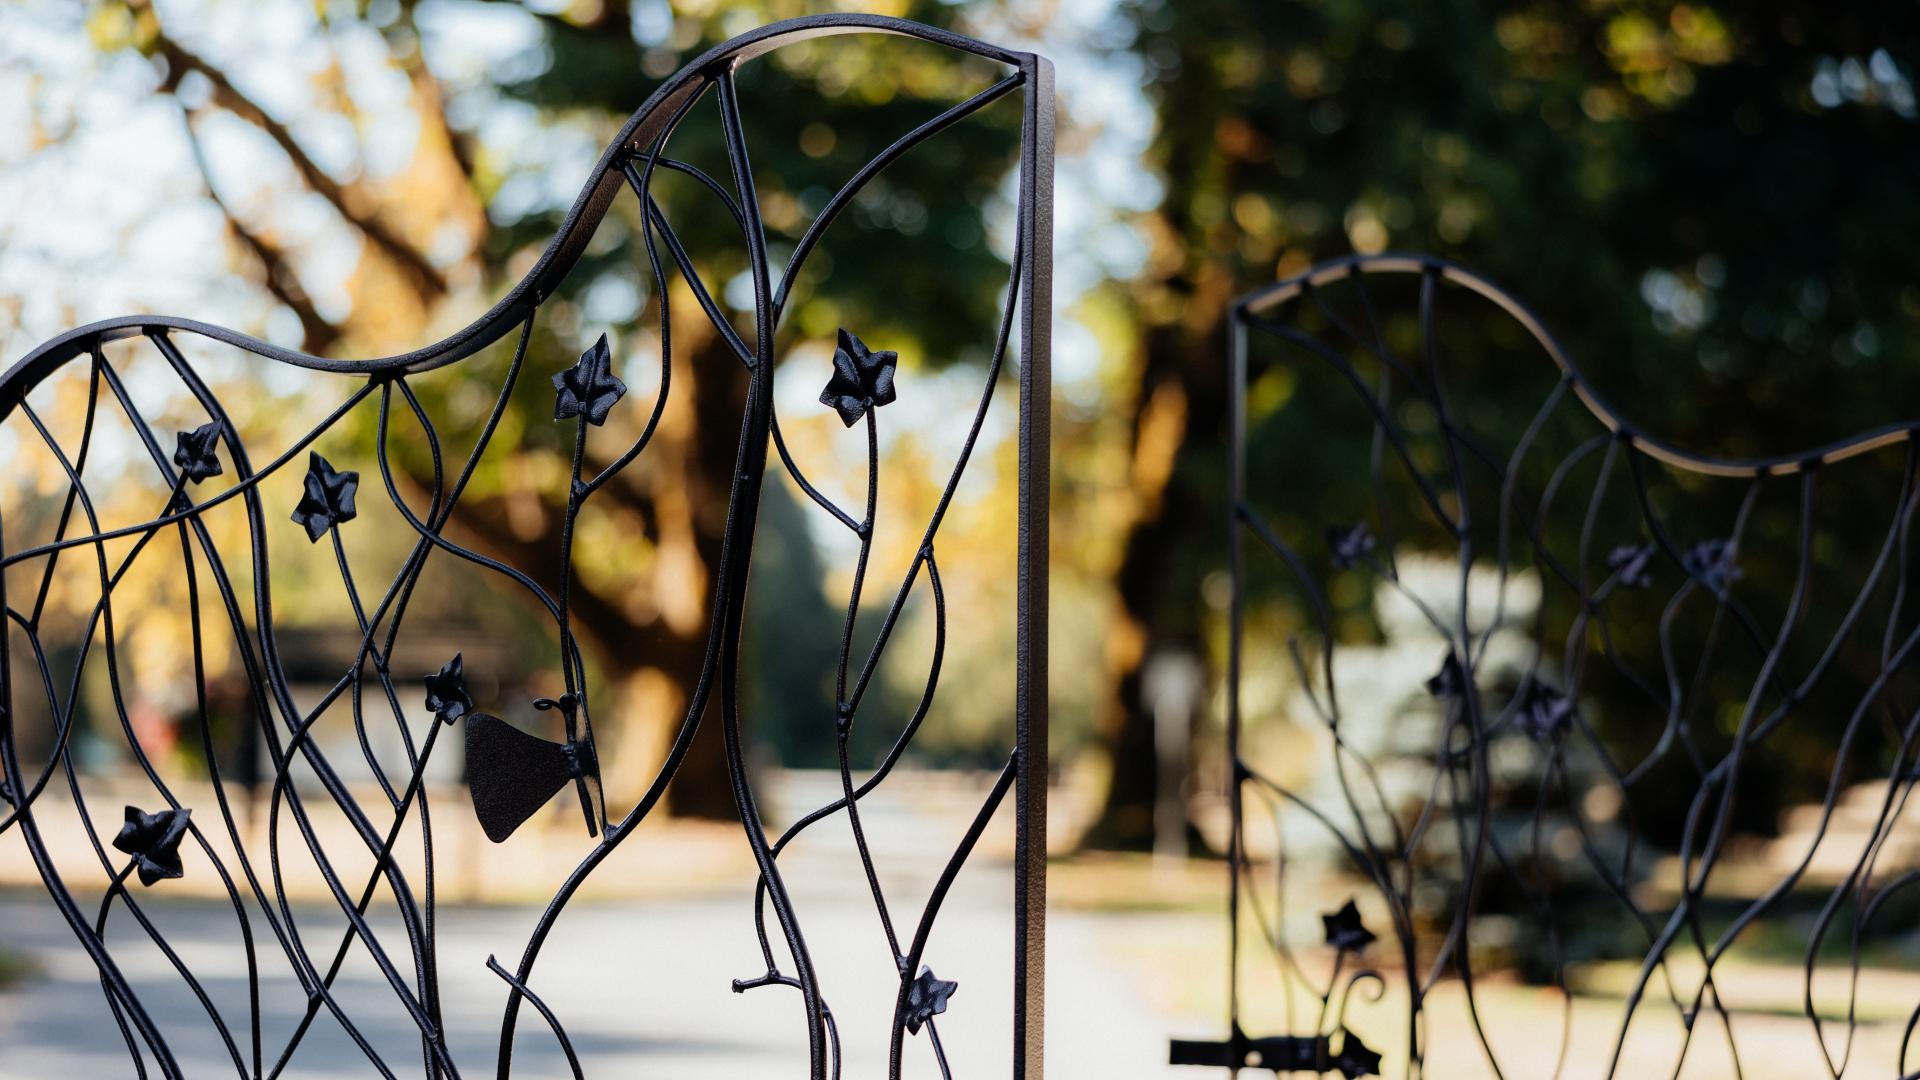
204, 468
1525, 704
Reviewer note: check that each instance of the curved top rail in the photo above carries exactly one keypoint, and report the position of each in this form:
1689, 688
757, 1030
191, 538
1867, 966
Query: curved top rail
561, 253
1252, 304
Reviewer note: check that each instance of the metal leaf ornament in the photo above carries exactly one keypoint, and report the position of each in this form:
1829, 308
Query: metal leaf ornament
927, 998
589, 388
1629, 563
154, 842
1355, 1059
327, 500
193, 452
1344, 929
1544, 711
512, 774
447, 695
1350, 545
862, 379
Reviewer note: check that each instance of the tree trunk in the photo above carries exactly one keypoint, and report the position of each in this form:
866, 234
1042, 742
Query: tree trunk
1178, 421
679, 488
719, 394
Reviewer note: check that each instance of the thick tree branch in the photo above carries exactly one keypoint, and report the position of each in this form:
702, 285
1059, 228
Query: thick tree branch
317, 332
351, 200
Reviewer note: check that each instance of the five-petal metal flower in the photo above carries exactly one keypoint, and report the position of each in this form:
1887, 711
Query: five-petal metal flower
1629, 563
328, 498
1350, 544
193, 453
1355, 1058
1712, 563
447, 692
589, 388
927, 998
1450, 682
1544, 711
862, 379
1345, 931
154, 842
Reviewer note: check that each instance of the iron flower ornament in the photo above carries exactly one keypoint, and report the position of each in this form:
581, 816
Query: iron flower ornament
862, 379
1712, 562
589, 388
1450, 682
1350, 544
1344, 929
1629, 563
1355, 1058
154, 842
927, 998
1544, 711
328, 497
447, 695
193, 452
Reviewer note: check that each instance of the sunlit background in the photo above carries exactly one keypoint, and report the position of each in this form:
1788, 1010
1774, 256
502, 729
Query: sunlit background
1713, 207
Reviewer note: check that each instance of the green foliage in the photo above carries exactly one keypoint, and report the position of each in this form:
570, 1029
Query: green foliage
1603, 159
816, 112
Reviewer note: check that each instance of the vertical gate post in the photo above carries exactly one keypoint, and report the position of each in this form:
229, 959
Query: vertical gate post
1036, 425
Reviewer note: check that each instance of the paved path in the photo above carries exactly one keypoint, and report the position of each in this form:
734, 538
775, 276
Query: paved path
643, 989
643, 986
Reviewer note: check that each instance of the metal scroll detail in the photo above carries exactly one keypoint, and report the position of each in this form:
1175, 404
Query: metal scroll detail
1610, 742
207, 470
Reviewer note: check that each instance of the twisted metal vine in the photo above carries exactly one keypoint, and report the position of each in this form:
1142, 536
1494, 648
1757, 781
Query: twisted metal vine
512, 774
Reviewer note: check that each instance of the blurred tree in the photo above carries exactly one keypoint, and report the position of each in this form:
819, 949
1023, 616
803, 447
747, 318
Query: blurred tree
434, 237
1709, 203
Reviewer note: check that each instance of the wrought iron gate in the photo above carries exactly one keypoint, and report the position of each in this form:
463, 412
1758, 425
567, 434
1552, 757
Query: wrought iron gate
1509, 684
205, 469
